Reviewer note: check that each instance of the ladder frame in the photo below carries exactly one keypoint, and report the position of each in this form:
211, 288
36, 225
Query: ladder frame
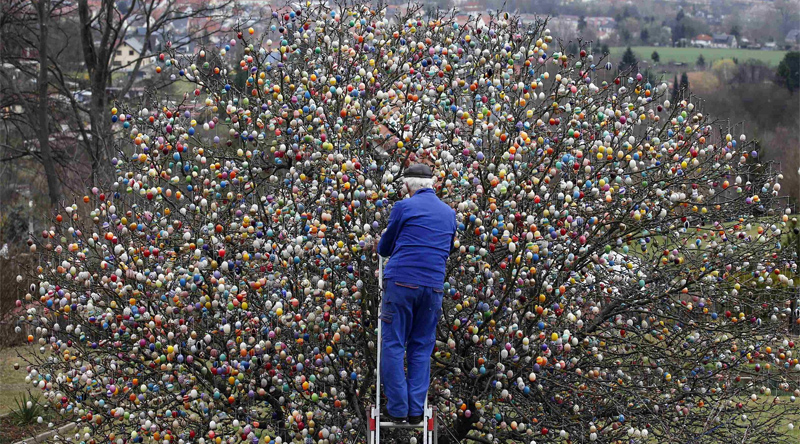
430, 432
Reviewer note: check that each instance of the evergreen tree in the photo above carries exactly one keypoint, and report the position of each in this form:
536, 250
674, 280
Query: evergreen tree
684, 82
736, 32
675, 90
789, 71
240, 79
679, 28
649, 76
625, 34
573, 48
628, 60
605, 49
701, 62
656, 58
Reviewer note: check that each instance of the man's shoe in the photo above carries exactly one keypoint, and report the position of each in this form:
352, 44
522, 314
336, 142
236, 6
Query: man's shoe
386, 416
414, 420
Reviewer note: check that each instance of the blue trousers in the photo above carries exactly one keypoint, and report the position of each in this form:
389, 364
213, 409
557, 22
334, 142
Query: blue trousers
409, 315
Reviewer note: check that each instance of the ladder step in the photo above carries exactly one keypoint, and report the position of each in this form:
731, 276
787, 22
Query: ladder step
391, 425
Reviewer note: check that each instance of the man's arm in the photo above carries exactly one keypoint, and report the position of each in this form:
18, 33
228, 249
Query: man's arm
455, 230
386, 244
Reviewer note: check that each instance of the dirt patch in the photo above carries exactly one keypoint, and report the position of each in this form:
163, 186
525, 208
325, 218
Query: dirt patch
13, 433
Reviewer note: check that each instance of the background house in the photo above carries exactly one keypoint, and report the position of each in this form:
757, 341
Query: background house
702, 41
724, 41
793, 38
127, 53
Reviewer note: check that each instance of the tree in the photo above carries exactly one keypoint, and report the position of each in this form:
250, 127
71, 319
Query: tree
26, 25
573, 48
684, 82
612, 280
789, 71
605, 49
644, 36
675, 88
628, 60
736, 31
655, 57
582, 23
685, 27
648, 76
624, 35
724, 69
679, 28
701, 62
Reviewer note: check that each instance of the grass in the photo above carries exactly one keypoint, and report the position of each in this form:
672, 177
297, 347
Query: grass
689, 55
12, 389
786, 418
183, 86
12, 382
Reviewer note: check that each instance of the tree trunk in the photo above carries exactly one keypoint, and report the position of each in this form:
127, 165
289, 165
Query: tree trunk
96, 56
43, 132
100, 130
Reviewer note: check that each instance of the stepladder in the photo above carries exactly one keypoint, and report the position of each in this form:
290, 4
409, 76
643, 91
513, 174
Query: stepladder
428, 425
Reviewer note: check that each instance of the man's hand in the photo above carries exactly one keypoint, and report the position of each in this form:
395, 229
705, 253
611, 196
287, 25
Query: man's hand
372, 246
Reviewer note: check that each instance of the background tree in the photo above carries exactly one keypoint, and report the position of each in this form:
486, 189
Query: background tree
685, 27
789, 71
701, 62
684, 82
620, 266
724, 69
26, 54
679, 27
655, 57
628, 60
736, 31
675, 88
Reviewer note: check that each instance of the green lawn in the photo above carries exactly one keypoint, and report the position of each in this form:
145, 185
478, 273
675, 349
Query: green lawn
689, 55
183, 86
12, 382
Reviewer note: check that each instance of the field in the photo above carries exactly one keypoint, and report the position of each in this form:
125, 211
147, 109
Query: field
689, 55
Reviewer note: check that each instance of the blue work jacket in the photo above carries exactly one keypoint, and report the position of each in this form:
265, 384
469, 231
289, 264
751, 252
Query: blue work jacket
419, 239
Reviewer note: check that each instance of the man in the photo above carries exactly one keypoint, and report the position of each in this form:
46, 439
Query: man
419, 239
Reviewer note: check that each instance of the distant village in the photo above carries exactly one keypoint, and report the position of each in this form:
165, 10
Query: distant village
601, 29
697, 23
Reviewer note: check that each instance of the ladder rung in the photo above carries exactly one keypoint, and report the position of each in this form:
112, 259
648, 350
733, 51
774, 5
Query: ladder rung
392, 425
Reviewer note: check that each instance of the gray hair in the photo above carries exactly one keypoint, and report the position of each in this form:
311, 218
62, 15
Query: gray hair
417, 183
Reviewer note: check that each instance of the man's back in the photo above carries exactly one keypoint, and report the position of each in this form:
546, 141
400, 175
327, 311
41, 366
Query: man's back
419, 239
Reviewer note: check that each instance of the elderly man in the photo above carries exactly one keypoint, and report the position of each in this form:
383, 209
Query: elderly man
419, 239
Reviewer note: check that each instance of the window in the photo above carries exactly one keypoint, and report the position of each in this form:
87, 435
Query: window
130, 52
119, 52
